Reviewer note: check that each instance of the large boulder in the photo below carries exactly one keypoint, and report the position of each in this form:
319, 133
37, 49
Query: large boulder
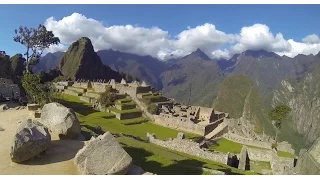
61, 120
31, 139
103, 156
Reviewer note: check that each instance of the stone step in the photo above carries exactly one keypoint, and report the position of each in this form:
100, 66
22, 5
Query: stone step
221, 127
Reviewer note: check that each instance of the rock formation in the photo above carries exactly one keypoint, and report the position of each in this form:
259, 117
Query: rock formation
31, 139
82, 62
3, 107
103, 156
60, 120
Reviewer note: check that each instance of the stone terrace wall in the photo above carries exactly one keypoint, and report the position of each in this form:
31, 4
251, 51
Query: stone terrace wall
189, 147
247, 141
132, 91
92, 95
261, 154
127, 115
84, 85
125, 106
176, 123
286, 147
100, 87
307, 165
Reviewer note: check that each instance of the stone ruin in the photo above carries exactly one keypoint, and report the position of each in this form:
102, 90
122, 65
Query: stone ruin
9, 89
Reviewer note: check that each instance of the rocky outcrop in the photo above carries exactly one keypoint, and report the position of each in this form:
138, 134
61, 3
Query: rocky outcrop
82, 62
61, 120
31, 139
135, 170
3, 107
103, 156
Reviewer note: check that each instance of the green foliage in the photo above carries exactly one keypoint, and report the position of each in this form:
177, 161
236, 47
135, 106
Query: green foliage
17, 65
37, 91
279, 113
152, 108
50, 76
274, 145
61, 78
107, 98
285, 154
5, 66
36, 40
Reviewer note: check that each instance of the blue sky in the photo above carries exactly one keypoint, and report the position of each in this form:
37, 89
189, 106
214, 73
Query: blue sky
292, 21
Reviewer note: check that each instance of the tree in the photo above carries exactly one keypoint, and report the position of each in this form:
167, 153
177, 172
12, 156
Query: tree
278, 114
152, 108
36, 40
38, 91
5, 66
107, 98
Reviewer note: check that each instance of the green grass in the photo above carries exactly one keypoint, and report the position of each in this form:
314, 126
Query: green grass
125, 111
259, 166
150, 157
225, 145
160, 160
285, 154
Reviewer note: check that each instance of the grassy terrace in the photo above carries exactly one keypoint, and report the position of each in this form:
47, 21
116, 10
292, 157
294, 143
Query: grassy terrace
150, 157
225, 145
125, 111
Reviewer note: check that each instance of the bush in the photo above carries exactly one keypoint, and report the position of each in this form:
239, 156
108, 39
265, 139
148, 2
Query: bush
152, 108
107, 98
37, 91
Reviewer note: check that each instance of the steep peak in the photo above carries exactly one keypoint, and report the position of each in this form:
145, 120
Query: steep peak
199, 53
260, 53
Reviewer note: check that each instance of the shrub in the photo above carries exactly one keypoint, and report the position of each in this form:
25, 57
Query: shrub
152, 108
107, 98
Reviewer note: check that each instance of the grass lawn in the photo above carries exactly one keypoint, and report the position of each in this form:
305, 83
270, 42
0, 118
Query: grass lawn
259, 166
150, 157
285, 154
225, 145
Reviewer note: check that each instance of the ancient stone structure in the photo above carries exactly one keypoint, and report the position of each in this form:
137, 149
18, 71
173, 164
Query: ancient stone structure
194, 119
309, 160
8, 89
189, 147
244, 163
103, 156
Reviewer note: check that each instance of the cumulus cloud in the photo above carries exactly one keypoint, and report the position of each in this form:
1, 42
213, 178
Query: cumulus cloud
160, 44
311, 39
55, 48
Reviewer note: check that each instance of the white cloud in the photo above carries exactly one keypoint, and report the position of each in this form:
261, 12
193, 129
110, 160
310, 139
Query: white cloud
158, 43
311, 39
55, 48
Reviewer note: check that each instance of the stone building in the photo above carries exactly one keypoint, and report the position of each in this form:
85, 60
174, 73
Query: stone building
8, 89
309, 160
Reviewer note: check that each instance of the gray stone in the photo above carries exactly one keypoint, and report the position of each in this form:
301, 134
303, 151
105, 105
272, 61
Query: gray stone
60, 120
135, 170
244, 159
31, 139
1, 129
3, 107
180, 135
103, 156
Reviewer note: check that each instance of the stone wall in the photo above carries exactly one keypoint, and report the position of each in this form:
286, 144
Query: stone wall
132, 115
92, 95
307, 165
86, 99
247, 141
132, 91
70, 92
143, 89
84, 85
189, 147
100, 87
65, 83
285, 147
177, 123
261, 154
80, 90
125, 106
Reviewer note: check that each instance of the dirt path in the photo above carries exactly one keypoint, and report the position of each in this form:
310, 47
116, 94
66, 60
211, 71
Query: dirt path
57, 161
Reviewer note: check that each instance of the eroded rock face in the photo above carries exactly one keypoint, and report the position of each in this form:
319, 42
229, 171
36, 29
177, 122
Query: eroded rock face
31, 139
103, 156
60, 120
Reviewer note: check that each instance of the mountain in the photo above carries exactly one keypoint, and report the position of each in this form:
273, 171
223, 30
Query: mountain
193, 79
144, 68
82, 62
303, 97
48, 62
239, 97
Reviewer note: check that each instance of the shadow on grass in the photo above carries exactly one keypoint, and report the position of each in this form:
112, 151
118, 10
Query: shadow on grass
58, 151
80, 108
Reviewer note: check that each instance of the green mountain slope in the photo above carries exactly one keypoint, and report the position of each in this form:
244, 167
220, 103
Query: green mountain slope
239, 97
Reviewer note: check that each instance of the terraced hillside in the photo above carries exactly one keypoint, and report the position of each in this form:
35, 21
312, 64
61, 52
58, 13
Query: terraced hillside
132, 136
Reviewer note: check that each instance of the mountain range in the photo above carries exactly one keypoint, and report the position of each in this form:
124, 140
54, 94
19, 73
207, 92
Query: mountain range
247, 85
